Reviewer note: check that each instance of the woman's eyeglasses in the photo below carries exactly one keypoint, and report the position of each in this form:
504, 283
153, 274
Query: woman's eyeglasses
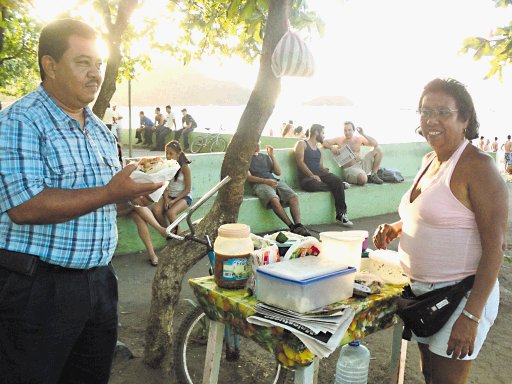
441, 113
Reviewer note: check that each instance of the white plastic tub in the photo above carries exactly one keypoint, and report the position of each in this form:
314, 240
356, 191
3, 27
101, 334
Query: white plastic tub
344, 246
304, 284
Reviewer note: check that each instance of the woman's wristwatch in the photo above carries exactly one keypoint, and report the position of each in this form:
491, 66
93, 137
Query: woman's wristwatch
470, 316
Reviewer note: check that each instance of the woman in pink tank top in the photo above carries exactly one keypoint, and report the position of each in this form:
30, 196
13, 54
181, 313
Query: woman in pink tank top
452, 224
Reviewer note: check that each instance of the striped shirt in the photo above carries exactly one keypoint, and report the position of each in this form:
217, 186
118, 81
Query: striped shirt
42, 147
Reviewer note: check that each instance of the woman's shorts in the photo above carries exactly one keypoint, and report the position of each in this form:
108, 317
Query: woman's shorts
438, 342
187, 199
266, 193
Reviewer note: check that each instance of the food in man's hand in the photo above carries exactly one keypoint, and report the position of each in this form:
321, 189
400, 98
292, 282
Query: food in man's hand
155, 164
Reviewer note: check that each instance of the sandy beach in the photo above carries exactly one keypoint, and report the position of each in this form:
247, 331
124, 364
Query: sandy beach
135, 278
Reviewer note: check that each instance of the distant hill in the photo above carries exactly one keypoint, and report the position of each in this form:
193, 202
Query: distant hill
330, 100
179, 85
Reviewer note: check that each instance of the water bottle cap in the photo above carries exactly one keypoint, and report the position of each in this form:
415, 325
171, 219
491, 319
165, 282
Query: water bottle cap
354, 343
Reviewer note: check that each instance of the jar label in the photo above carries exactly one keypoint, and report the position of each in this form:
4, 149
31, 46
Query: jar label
236, 269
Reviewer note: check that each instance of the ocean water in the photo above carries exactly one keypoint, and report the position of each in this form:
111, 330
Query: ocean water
387, 125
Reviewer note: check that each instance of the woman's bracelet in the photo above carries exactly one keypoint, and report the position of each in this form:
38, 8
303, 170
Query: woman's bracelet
470, 316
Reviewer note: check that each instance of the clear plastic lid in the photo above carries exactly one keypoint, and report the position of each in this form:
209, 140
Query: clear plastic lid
305, 268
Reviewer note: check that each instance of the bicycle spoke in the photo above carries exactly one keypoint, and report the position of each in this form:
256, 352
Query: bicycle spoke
254, 364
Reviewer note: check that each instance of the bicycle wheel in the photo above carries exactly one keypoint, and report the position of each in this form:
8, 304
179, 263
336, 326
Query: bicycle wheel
198, 144
254, 362
219, 145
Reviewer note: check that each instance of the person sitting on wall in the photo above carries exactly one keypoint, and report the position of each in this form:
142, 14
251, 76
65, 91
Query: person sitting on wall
141, 216
273, 192
189, 124
169, 125
177, 196
145, 130
314, 177
360, 170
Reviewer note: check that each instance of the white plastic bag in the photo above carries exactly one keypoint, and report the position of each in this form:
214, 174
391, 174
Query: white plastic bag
292, 57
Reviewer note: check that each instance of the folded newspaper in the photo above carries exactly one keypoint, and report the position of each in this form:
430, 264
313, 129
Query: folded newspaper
321, 331
345, 156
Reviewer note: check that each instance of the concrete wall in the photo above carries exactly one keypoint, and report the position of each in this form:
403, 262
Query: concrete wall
316, 208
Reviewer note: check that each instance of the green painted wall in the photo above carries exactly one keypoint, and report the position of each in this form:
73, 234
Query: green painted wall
316, 208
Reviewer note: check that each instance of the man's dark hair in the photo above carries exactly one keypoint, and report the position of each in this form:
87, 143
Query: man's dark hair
184, 110
315, 128
350, 123
157, 109
509, 137
167, 106
54, 39
463, 101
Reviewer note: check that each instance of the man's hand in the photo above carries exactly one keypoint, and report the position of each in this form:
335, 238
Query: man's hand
270, 150
335, 150
122, 187
360, 131
271, 182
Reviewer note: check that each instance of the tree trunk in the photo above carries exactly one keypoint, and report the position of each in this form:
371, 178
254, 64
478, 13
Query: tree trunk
177, 258
113, 39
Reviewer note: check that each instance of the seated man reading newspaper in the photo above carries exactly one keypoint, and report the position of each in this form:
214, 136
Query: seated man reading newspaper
347, 152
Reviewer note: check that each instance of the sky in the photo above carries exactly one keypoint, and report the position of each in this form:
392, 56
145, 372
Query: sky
376, 52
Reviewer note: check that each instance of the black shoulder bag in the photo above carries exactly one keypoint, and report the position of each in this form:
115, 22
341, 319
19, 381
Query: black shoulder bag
426, 314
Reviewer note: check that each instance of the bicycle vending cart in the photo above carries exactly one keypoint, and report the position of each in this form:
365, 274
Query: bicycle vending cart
240, 362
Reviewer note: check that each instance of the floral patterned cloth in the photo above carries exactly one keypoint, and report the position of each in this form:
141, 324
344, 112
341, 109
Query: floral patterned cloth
232, 307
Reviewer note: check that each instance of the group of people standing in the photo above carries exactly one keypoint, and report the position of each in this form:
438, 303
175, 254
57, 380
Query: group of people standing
486, 146
289, 130
162, 126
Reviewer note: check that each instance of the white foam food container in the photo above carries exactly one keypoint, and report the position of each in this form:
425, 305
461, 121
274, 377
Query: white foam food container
304, 284
385, 263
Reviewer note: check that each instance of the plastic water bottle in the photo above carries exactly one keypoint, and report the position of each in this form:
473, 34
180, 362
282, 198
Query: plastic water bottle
353, 363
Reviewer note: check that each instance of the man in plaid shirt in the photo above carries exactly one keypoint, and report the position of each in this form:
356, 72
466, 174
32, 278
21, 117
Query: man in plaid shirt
60, 180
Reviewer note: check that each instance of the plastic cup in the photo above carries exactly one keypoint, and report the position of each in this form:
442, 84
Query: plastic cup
344, 246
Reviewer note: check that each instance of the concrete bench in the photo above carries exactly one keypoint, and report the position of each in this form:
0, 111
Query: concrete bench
316, 207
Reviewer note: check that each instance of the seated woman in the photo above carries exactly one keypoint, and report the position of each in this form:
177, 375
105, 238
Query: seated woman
142, 216
177, 197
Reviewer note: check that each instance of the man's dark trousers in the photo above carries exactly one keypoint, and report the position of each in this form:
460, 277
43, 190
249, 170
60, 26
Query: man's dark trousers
332, 183
58, 325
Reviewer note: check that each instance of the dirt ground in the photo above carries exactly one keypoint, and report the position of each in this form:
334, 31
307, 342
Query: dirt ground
135, 278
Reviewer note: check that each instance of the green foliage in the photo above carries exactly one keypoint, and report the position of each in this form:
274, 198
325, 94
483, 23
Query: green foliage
19, 72
498, 46
230, 27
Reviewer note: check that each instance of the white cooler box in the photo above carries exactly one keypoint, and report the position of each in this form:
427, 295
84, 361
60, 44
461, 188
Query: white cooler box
304, 284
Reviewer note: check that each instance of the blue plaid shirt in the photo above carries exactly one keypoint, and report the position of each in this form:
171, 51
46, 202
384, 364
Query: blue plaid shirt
42, 147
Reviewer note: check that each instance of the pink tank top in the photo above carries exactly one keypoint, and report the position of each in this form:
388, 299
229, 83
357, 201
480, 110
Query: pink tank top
440, 240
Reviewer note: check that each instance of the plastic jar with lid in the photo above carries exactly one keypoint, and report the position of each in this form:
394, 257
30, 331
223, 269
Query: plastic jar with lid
232, 255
